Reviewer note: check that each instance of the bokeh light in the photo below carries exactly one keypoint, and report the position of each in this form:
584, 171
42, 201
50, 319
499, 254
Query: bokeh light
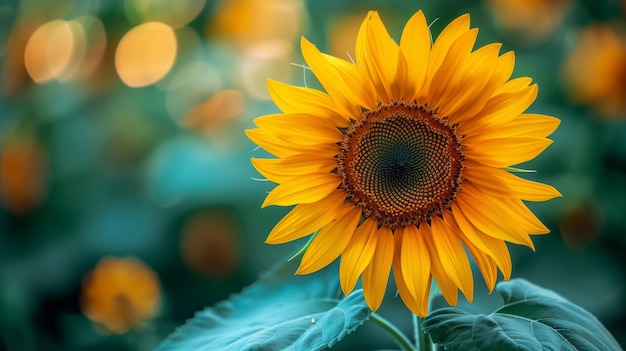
173, 13
49, 51
343, 32
218, 110
93, 46
146, 54
267, 60
189, 86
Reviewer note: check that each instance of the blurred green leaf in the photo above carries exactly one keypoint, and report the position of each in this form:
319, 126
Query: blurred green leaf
532, 318
281, 311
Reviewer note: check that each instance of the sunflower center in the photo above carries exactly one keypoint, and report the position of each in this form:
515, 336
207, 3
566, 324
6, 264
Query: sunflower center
401, 163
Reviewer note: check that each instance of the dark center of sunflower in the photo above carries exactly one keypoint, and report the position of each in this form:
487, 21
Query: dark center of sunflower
401, 163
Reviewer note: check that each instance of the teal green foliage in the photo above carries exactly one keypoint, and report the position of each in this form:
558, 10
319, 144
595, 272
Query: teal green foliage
532, 318
281, 311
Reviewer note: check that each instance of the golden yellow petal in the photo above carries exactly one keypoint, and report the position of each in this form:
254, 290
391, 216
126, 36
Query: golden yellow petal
524, 125
485, 263
485, 213
280, 170
358, 254
494, 73
441, 46
514, 85
277, 146
415, 46
505, 152
448, 288
302, 190
530, 124
495, 248
453, 257
475, 86
415, 262
331, 240
376, 273
520, 213
292, 99
341, 79
380, 59
501, 108
305, 219
498, 182
310, 130
449, 74
417, 306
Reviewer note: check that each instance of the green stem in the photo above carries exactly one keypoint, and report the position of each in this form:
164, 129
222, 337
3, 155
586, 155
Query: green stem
416, 330
422, 339
397, 335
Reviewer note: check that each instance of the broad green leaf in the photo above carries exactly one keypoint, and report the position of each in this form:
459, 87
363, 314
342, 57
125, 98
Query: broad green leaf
532, 318
281, 311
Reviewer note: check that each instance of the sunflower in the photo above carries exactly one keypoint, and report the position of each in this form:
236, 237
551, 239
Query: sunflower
120, 293
403, 163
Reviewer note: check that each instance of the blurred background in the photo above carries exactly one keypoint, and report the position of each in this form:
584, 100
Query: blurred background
127, 199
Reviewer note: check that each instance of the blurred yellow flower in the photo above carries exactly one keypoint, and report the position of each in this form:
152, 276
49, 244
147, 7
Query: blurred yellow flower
247, 23
119, 293
209, 243
529, 21
22, 174
403, 161
595, 73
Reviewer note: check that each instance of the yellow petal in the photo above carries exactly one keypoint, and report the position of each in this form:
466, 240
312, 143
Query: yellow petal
521, 214
493, 247
453, 256
300, 129
358, 254
292, 99
531, 124
449, 74
515, 85
376, 273
419, 306
441, 46
502, 107
415, 46
524, 125
305, 219
485, 213
341, 79
331, 240
475, 85
280, 170
485, 263
305, 189
498, 182
379, 57
448, 288
505, 152
277, 146
415, 261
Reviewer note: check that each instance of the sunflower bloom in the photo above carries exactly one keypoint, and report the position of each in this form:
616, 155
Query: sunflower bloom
120, 293
401, 164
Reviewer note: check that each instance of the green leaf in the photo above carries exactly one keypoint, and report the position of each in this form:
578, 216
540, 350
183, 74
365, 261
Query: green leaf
532, 318
281, 311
